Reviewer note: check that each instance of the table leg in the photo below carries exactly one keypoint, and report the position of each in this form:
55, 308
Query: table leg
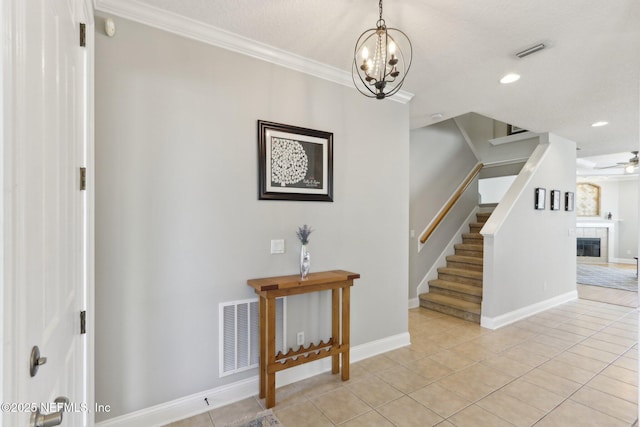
270, 392
262, 314
335, 329
346, 301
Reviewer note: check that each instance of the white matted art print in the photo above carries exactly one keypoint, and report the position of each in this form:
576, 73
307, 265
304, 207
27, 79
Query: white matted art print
294, 163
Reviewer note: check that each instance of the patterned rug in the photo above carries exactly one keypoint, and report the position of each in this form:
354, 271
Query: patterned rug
608, 277
262, 419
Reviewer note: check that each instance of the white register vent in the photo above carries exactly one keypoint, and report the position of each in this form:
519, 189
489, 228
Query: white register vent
239, 347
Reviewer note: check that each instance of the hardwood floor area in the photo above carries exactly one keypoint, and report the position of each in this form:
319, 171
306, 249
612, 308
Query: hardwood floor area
610, 296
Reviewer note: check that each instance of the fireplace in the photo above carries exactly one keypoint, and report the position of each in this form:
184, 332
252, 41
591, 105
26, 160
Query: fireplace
589, 246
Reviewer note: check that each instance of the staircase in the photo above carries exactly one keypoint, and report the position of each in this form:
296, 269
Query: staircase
458, 289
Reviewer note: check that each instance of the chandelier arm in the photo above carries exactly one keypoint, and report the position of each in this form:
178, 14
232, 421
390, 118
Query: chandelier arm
364, 83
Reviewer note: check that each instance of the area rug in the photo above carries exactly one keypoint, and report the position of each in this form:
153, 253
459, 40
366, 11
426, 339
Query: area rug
608, 277
262, 419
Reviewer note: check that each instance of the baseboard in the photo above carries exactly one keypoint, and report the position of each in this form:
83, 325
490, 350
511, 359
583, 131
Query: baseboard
195, 404
624, 261
530, 310
414, 303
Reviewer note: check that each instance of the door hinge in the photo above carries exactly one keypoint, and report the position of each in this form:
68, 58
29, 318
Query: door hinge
83, 34
83, 322
83, 179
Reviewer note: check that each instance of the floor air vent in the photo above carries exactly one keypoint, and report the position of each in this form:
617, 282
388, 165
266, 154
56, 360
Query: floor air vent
239, 334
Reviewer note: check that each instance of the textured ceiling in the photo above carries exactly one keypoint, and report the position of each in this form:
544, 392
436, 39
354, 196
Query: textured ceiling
590, 72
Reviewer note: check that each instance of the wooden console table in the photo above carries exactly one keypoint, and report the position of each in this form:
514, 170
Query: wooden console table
271, 288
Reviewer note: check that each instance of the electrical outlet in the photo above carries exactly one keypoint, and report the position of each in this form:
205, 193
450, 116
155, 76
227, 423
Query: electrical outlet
300, 338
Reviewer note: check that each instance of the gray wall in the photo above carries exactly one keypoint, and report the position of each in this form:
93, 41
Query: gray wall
179, 228
620, 197
440, 160
481, 129
628, 226
529, 254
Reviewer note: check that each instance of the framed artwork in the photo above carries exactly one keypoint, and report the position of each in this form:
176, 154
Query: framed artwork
569, 201
294, 163
587, 199
511, 129
540, 196
555, 200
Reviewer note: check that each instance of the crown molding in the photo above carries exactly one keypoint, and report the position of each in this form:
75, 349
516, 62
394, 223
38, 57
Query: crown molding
190, 28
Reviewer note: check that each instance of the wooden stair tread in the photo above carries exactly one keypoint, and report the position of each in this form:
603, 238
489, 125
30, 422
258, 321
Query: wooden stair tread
465, 259
476, 224
469, 246
458, 287
473, 235
459, 304
472, 274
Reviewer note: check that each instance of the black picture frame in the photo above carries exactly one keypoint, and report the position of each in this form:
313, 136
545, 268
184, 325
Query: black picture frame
569, 201
512, 130
555, 202
294, 163
540, 197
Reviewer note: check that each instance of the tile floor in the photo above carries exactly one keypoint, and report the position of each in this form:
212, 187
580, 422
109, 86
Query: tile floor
573, 365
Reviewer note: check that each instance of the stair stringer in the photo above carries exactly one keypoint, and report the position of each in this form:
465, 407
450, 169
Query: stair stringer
441, 261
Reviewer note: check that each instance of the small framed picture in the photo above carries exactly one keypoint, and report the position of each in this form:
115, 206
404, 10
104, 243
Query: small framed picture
511, 130
540, 196
569, 200
555, 200
294, 163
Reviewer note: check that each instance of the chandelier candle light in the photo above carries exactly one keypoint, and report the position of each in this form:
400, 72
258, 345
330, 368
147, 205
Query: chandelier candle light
379, 61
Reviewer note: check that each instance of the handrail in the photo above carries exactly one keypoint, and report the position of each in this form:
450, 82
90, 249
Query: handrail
452, 201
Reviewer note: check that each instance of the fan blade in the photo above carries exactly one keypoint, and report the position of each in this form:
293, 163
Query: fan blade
621, 165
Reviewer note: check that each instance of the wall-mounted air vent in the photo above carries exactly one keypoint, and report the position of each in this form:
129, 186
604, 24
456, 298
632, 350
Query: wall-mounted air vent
238, 344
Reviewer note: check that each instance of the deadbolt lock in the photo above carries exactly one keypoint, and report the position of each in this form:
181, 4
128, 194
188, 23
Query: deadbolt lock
36, 361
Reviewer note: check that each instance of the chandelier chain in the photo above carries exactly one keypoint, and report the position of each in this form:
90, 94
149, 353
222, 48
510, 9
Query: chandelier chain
380, 7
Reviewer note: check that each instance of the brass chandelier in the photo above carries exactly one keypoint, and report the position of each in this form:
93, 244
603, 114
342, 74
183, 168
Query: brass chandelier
381, 60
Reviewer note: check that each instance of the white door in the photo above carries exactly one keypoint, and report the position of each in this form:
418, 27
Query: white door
44, 232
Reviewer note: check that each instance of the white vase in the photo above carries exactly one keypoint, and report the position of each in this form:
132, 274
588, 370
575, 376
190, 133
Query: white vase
305, 261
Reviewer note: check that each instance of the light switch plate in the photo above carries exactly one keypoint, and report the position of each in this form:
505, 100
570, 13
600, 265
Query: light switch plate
277, 246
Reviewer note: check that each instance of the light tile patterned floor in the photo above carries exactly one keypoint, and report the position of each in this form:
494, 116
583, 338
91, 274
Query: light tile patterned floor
573, 365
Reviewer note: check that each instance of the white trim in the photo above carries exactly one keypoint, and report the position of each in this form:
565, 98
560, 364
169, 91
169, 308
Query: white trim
505, 162
195, 404
196, 30
623, 261
513, 194
521, 313
90, 213
414, 303
187, 406
516, 137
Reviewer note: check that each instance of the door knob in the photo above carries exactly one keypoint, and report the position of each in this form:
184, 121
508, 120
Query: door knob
49, 420
36, 361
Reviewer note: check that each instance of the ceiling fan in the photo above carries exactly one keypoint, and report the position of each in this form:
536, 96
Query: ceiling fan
629, 166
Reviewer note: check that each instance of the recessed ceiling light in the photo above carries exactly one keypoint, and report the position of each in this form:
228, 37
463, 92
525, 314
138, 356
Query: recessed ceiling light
437, 116
510, 78
598, 124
